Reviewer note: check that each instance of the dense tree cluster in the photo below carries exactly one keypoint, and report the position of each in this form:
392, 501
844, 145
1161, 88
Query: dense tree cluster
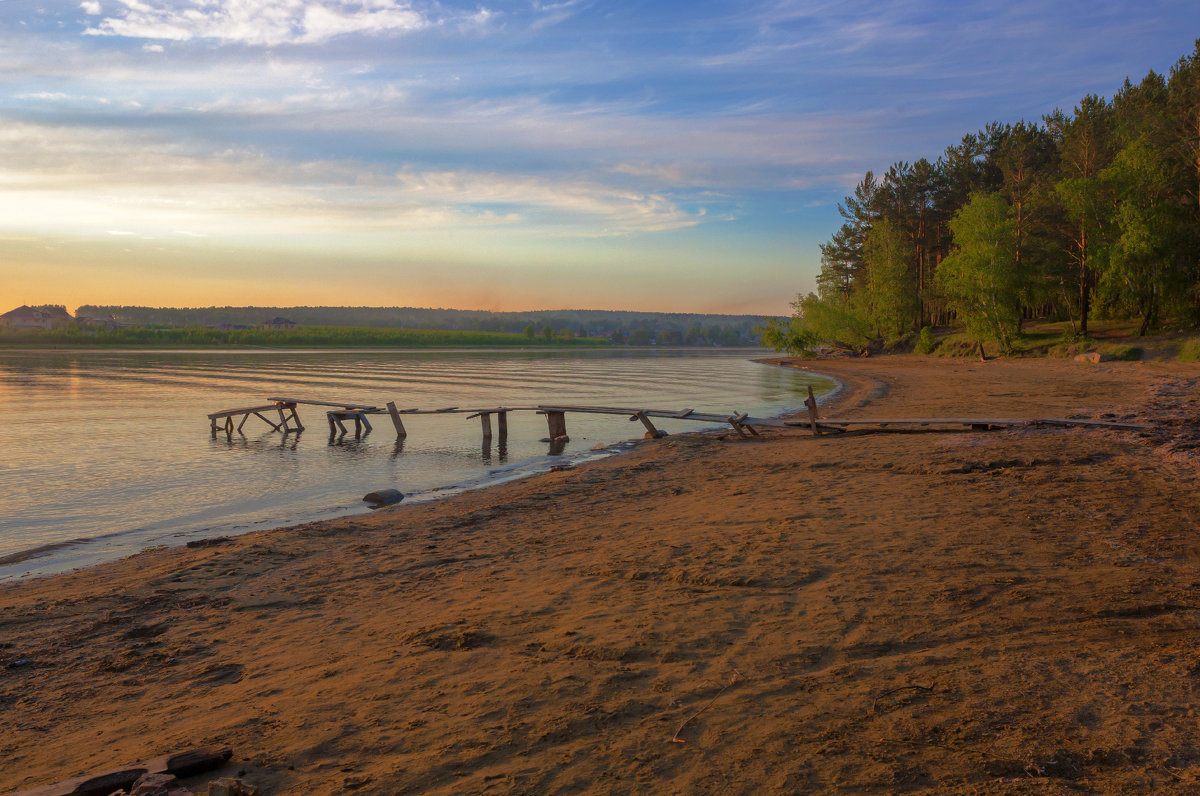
1092, 214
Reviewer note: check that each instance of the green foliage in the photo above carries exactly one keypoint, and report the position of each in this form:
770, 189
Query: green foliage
787, 335
300, 337
1103, 206
841, 326
981, 281
1189, 351
926, 341
889, 298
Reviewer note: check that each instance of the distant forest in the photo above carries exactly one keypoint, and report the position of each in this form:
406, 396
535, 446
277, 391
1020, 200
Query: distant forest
1093, 214
628, 328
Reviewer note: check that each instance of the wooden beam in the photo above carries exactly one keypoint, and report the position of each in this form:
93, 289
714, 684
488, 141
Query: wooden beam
651, 431
342, 405
485, 419
396, 421
242, 411
811, 403
502, 423
974, 421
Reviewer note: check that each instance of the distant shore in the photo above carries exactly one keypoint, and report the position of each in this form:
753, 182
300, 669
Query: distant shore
870, 611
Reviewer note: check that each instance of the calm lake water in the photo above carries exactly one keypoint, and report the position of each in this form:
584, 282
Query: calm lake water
106, 454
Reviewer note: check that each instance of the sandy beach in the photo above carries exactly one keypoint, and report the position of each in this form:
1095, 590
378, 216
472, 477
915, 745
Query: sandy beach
989, 612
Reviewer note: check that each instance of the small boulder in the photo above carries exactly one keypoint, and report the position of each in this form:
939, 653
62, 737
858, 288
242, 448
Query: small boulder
383, 497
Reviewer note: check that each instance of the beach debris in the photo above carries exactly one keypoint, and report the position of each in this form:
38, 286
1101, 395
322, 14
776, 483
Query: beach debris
18, 663
383, 497
1094, 357
231, 786
159, 784
736, 676
125, 780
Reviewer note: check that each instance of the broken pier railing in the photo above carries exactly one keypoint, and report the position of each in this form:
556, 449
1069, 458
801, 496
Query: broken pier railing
339, 414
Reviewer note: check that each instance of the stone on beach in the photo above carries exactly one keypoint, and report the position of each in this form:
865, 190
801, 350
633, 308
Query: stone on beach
383, 497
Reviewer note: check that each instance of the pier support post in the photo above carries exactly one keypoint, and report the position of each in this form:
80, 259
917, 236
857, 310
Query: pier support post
485, 420
502, 426
651, 431
396, 421
557, 423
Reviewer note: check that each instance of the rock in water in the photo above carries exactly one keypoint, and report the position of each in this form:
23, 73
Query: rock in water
383, 497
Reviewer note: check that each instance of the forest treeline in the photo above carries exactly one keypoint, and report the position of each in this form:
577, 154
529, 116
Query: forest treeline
1085, 215
300, 337
616, 326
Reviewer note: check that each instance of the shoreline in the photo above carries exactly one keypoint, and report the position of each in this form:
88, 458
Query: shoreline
873, 611
166, 538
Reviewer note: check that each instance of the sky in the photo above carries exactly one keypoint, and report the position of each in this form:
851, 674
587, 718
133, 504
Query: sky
499, 154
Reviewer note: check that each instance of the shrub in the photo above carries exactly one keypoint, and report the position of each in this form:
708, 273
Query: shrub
1190, 350
926, 341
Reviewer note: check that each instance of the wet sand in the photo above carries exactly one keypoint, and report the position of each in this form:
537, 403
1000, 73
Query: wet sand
991, 612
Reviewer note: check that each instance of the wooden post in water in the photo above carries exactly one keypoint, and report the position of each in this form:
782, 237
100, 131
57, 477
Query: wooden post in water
485, 420
557, 423
396, 421
502, 423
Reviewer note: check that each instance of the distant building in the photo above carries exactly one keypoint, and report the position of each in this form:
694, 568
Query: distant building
25, 317
279, 323
110, 322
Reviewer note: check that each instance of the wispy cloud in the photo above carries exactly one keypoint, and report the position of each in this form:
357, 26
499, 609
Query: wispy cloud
118, 177
259, 22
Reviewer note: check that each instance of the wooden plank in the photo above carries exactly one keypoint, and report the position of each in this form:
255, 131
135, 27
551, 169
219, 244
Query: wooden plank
1068, 421
266, 420
972, 421
343, 405
811, 403
485, 420
396, 421
502, 423
702, 417
245, 410
651, 431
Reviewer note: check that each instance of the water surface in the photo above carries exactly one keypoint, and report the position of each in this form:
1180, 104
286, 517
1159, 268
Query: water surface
107, 453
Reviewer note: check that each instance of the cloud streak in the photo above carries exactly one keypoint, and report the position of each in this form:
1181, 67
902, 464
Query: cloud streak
257, 22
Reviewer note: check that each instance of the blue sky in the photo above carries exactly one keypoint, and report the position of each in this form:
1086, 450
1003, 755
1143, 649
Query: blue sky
498, 155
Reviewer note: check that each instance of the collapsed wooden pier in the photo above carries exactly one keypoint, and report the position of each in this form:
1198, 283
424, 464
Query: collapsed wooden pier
340, 413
